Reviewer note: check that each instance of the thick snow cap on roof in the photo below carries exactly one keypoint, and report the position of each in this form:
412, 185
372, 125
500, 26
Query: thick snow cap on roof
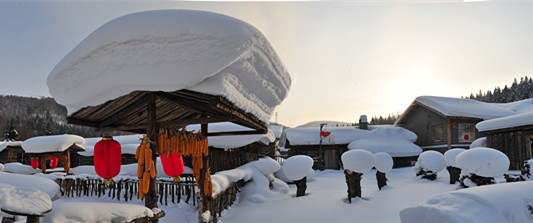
506, 122
170, 50
345, 135
55, 143
5, 144
394, 146
469, 108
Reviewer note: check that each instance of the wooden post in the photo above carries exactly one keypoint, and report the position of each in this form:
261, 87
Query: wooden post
43, 164
301, 186
382, 179
353, 181
205, 198
454, 174
449, 136
151, 132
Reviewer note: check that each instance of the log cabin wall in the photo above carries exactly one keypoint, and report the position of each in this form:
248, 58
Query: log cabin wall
12, 154
220, 159
332, 154
516, 144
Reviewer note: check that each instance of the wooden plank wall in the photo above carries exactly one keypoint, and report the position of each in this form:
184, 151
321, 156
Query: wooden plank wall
513, 144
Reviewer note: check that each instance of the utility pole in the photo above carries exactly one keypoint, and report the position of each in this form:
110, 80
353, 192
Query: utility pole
320, 152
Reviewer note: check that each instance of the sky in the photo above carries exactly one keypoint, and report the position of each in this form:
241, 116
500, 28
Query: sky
346, 58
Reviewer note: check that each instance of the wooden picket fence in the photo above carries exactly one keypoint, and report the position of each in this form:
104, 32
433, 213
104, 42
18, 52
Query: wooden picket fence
128, 189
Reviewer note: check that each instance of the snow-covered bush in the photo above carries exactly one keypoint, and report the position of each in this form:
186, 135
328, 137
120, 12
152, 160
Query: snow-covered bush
384, 162
310, 175
450, 156
483, 161
481, 142
296, 167
267, 165
358, 160
480, 165
429, 163
527, 170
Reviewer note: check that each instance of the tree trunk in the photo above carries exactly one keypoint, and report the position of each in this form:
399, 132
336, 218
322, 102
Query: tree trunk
353, 180
382, 179
301, 186
454, 174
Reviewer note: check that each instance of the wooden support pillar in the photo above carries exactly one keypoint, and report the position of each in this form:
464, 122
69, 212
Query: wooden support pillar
43, 164
449, 134
151, 131
204, 172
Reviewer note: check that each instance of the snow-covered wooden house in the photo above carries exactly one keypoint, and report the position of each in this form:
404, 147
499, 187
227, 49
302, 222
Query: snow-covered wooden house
45, 148
442, 123
396, 141
11, 151
513, 135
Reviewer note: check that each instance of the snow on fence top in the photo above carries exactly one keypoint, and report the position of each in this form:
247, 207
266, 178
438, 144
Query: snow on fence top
5, 144
469, 108
170, 50
54, 143
345, 135
506, 122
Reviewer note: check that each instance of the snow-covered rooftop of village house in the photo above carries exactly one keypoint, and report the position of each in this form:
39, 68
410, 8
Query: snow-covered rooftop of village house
233, 141
54, 143
5, 144
506, 122
277, 130
128, 144
394, 146
345, 135
458, 107
170, 50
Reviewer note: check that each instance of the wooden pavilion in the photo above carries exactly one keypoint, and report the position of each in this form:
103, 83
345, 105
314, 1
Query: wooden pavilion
45, 148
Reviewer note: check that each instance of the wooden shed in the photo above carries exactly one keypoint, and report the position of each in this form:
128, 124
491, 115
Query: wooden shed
45, 148
513, 135
11, 151
443, 123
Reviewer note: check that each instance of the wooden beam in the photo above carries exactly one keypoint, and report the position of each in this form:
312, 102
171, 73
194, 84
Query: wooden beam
76, 121
125, 111
194, 105
235, 133
449, 133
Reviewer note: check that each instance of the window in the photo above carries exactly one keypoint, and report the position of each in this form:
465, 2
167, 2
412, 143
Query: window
436, 133
466, 132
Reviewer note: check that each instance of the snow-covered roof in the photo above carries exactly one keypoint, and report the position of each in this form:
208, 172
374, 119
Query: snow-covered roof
506, 122
277, 130
54, 143
469, 108
5, 144
233, 141
128, 144
170, 50
345, 135
394, 146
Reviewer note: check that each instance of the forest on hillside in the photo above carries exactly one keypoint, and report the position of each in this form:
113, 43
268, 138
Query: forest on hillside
518, 90
31, 117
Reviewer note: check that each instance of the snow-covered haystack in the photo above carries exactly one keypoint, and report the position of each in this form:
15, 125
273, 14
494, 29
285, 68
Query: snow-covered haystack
66, 211
171, 50
480, 142
24, 199
510, 202
297, 167
429, 163
384, 162
480, 165
358, 160
451, 166
55, 143
483, 161
43, 184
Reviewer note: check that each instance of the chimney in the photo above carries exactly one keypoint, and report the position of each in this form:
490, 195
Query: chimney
363, 123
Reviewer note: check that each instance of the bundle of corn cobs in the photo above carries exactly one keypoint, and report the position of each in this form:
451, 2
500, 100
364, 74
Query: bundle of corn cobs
146, 167
186, 143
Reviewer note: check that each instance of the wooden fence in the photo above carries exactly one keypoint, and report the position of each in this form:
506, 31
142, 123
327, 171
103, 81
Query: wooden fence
221, 201
128, 189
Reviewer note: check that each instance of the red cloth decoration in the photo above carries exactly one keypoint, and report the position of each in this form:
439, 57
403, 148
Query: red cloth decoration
53, 163
172, 165
107, 158
467, 137
325, 134
34, 163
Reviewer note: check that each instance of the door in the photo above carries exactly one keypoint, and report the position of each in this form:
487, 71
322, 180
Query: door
331, 159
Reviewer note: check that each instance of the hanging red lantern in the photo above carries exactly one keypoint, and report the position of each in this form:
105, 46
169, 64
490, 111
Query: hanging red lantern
34, 163
325, 134
173, 166
107, 158
53, 163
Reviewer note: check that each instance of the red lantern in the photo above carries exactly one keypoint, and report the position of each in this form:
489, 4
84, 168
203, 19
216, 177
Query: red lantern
34, 163
107, 158
325, 134
173, 165
53, 163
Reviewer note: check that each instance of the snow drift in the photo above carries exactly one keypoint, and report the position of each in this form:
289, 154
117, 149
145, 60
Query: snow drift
170, 50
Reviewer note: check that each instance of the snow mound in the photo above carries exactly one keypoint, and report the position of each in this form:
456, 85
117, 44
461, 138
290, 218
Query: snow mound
510, 202
66, 211
180, 49
481, 142
431, 161
395, 146
358, 160
450, 156
24, 200
20, 168
384, 162
1, 167
267, 165
55, 143
43, 184
297, 167
483, 161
